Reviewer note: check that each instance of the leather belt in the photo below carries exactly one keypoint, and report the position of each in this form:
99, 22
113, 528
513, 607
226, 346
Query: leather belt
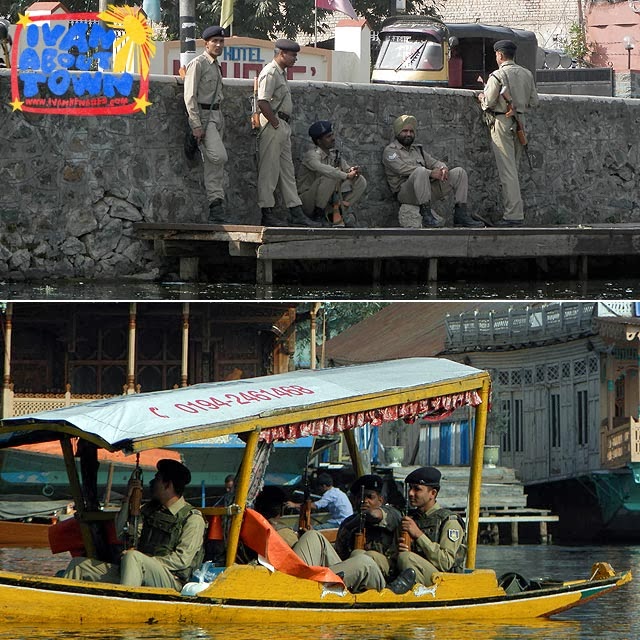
213, 107
284, 116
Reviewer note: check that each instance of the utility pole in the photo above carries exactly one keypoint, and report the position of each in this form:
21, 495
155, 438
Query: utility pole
187, 33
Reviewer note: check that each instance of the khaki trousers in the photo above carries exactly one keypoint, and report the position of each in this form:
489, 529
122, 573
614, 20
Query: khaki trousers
508, 151
360, 570
214, 155
275, 167
323, 188
423, 568
419, 188
135, 570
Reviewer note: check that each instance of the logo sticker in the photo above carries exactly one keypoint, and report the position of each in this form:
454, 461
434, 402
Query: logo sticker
453, 535
393, 156
82, 63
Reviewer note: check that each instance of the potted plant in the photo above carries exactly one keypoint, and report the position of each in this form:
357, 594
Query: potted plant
395, 453
497, 426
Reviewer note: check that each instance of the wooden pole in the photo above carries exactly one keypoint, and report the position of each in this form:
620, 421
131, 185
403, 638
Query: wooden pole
131, 363
242, 489
313, 333
7, 395
185, 344
475, 477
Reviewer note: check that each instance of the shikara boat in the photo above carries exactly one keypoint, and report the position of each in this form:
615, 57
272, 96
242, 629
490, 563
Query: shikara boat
265, 410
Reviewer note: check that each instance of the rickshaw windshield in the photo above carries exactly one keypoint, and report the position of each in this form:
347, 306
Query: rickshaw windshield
420, 52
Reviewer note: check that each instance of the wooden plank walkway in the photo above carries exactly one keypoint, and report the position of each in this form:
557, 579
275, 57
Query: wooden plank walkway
191, 242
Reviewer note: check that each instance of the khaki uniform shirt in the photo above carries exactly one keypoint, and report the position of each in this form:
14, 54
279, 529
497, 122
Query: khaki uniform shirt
440, 553
286, 533
520, 84
318, 163
274, 88
400, 162
202, 85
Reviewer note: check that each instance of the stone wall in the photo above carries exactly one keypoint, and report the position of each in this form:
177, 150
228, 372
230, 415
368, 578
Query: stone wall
71, 188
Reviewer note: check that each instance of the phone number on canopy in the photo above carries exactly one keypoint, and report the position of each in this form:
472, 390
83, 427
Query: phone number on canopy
240, 398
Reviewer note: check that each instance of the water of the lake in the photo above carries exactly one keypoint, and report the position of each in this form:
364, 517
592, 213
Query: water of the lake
614, 617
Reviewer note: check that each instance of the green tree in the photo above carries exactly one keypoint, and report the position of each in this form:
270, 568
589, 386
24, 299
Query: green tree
338, 316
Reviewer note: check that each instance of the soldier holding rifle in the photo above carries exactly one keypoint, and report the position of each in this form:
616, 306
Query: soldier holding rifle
169, 537
437, 534
372, 531
325, 176
510, 91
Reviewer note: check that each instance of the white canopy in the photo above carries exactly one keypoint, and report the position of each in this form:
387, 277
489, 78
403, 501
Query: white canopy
306, 402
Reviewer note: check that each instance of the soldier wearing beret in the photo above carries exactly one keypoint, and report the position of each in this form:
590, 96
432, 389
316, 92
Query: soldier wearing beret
373, 529
275, 164
325, 176
437, 534
171, 537
418, 178
519, 83
203, 97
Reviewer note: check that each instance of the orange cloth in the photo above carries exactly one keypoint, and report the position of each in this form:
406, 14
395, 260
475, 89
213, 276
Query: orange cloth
259, 535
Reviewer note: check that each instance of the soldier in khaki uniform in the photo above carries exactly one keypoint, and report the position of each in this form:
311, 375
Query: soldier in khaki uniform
171, 537
417, 178
325, 175
437, 534
275, 164
202, 97
507, 149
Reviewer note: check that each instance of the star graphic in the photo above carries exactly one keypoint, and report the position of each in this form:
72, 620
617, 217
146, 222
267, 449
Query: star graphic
142, 104
24, 20
17, 105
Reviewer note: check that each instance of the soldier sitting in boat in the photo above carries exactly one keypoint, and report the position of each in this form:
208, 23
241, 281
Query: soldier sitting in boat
358, 573
167, 542
437, 534
373, 530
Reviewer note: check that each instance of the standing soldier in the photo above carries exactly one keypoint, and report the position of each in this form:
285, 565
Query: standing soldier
325, 177
202, 97
275, 165
515, 82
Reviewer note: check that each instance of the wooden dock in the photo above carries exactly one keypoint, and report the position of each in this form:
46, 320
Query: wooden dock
191, 243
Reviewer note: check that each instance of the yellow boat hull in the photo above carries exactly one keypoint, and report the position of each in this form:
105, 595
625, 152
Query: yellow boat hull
252, 594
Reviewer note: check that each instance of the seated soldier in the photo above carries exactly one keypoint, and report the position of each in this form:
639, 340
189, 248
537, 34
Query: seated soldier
171, 538
437, 534
374, 529
314, 549
326, 179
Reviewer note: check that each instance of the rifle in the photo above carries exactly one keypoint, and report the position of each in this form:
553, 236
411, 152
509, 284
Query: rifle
512, 113
304, 521
336, 215
255, 112
360, 537
404, 535
135, 504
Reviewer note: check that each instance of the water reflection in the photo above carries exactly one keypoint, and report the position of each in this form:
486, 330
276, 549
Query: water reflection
456, 290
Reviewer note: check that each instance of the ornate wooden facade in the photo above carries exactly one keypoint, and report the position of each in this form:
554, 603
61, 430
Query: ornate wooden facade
56, 354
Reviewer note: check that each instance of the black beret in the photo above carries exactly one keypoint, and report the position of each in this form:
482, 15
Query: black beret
287, 45
370, 482
508, 46
429, 476
174, 471
213, 32
319, 129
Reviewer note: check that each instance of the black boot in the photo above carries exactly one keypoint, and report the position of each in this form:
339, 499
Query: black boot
320, 216
403, 582
461, 217
429, 218
216, 212
297, 218
269, 219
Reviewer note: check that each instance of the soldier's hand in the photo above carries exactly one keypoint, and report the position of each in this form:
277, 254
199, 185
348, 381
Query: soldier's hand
480, 96
408, 524
198, 134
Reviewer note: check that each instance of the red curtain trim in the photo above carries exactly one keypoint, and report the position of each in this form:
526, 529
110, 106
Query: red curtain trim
432, 409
